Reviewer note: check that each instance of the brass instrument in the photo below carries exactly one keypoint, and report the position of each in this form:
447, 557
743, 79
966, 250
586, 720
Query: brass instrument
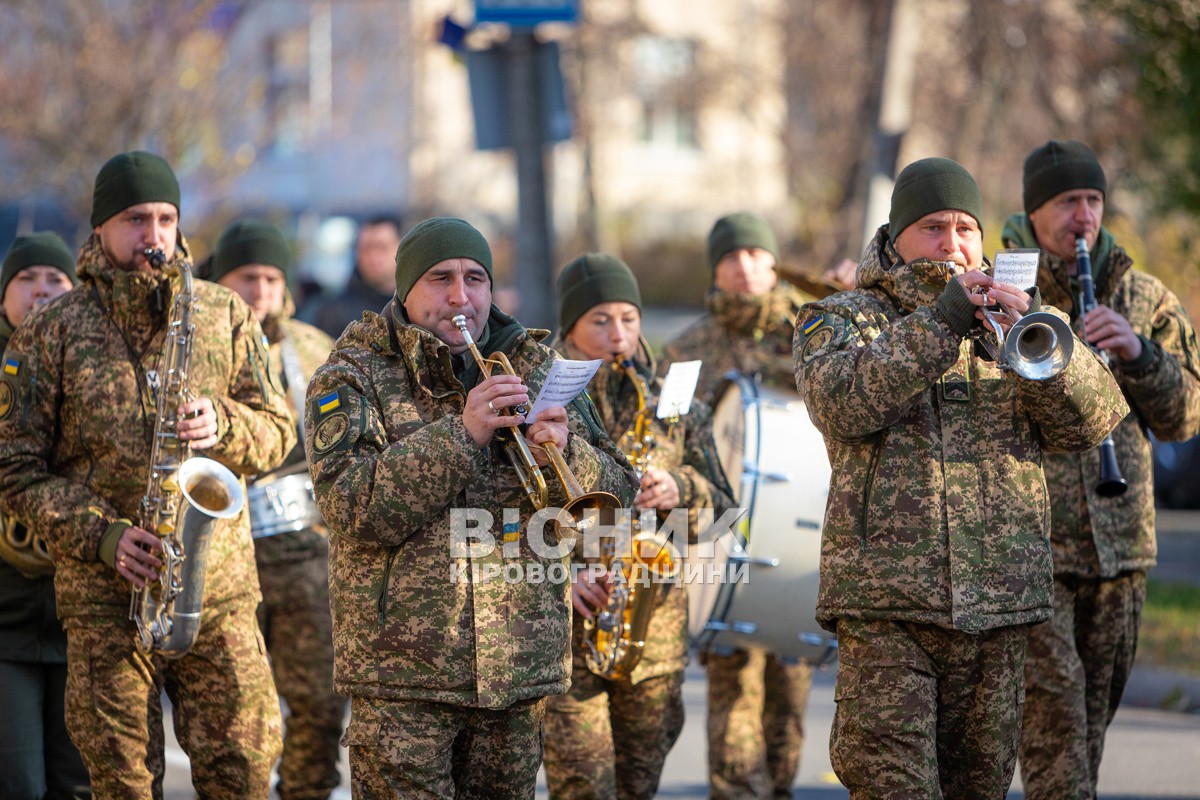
575, 513
1038, 345
642, 567
1111, 483
167, 609
24, 549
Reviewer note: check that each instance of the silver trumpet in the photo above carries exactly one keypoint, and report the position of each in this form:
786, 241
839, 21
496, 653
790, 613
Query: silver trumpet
1037, 347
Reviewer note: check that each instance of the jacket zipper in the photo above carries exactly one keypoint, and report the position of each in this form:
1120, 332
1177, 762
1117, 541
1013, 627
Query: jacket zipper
382, 601
872, 468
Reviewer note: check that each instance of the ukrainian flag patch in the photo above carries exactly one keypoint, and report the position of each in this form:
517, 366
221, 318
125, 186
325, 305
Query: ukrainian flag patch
812, 324
12, 366
328, 403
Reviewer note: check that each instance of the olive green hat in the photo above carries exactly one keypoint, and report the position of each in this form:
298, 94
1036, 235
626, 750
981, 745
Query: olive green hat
433, 241
45, 249
930, 185
589, 280
132, 178
250, 242
1058, 167
738, 230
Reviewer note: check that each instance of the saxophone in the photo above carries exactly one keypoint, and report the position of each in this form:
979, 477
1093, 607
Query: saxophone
185, 495
642, 566
24, 549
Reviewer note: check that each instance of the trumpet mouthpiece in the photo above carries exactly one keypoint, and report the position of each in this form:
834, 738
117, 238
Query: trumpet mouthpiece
459, 321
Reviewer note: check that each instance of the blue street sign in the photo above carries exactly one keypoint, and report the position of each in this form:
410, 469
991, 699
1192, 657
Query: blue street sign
525, 13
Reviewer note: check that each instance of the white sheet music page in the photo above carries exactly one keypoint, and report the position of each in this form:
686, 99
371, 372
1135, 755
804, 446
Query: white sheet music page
566, 379
1017, 266
678, 388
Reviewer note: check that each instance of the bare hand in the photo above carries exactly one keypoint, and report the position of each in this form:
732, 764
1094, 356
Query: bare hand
197, 423
588, 592
1105, 329
551, 426
137, 556
484, 412
659, 490
842, 274
983, 291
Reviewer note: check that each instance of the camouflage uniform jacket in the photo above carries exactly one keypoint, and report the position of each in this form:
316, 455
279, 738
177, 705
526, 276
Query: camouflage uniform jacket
311, 347
29, 626
747, 333
937, 510
75, 444
686, 450
392, 461
1093, 536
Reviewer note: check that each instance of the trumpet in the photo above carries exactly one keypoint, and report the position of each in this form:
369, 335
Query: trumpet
1111, 483
575, 512
1037, 347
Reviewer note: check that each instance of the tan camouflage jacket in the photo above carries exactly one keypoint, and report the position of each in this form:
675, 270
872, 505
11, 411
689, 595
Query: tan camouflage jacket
938, 511
75, 433
311, 346
685, 450
1093, 536
393, 466
752, 335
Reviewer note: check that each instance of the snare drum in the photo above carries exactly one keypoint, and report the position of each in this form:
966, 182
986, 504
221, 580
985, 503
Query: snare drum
755, 586
282, 505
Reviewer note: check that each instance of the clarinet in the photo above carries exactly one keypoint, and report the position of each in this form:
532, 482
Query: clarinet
1111, 484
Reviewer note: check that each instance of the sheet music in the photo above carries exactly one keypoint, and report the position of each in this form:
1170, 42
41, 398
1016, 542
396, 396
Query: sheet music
566, 379
678, 389
1018, 266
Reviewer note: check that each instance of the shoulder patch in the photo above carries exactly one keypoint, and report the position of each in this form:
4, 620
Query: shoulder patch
817, 333
330, 432
330, 412
10, 383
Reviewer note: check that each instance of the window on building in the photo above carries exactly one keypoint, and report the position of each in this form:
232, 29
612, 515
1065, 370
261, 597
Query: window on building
288, 93
664, 82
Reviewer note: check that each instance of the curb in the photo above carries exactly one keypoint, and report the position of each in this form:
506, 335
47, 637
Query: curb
1149, 687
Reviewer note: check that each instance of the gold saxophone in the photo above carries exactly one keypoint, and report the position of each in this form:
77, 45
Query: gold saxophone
24, 549
167, 609
642, 566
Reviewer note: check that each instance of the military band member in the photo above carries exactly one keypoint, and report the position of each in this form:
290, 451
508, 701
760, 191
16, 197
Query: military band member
37, 757
451, 613
1079, 662
934, 559
610, 734
75, 452
291, 546
756, 699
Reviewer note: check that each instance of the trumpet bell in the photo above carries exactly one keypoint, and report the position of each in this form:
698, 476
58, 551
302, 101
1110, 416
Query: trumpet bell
1039, 346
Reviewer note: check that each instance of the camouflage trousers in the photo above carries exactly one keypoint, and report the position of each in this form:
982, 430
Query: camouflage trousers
927, 712
420, 750
295, 621
608, 739
1075, 674
226, 712
756, 707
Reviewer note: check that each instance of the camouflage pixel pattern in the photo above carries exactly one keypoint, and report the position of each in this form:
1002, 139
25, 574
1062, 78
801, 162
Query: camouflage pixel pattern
74, 455
226, 713
926, 712
390, 464
756, 732
609, 739
293, 572
73, 475
938, 511
1075, 673
1094, 536
420, 750
752, 335
747, 333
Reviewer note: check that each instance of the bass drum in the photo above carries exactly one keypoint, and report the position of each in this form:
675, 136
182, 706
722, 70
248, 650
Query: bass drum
755, 585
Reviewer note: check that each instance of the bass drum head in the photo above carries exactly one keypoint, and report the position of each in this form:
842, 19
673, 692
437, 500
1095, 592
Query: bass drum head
757, 587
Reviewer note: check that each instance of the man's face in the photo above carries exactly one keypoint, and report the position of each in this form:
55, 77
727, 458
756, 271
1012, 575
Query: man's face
260, 285
609, 331
746, 270
125, 235
943, 236
375, 254
449, 288
31, 286
1066, 216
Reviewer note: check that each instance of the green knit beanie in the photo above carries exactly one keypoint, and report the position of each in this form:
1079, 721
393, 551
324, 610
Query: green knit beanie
738, 230
1058, 167
132, 178
929, 185
592, 279
250, 242
37, 250
433, 241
